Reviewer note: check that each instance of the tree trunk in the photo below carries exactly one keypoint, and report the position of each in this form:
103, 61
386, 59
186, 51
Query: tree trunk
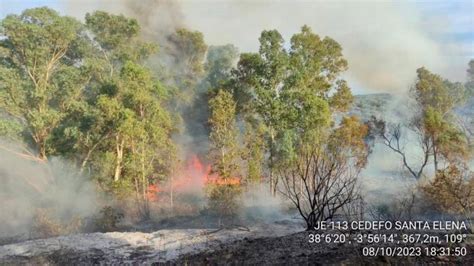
42, 152
272, 177
311, 221
118, 164
41, 146
435, 155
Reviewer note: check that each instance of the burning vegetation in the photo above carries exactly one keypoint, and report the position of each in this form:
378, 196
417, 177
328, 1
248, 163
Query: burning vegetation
102, 131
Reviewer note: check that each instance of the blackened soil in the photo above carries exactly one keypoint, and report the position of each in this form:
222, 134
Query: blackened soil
295, 249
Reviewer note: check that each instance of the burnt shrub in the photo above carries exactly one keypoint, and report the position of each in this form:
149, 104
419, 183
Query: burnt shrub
108, 219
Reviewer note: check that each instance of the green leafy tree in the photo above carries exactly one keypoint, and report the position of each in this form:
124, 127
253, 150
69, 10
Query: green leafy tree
41, 71
147, 131
436, 99
441, 140
188, 53
224, 154
105, 118
291, 91
254, 151
224, 145
219, 64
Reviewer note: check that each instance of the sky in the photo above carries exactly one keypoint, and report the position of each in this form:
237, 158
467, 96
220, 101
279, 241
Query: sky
383, 41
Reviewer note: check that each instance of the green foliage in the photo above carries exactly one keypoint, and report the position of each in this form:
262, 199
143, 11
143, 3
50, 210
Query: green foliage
470, 80
437, 99
219, 63
40, 71
223, 136
83, 92
452, 190
188, 53
254, 152
224, 199
292, 92
10, 129
109, 219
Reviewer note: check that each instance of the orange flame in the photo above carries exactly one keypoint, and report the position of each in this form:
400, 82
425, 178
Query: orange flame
194, 176
152, 192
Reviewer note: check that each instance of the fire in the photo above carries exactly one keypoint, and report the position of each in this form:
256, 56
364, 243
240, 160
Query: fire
152, 192
192, 177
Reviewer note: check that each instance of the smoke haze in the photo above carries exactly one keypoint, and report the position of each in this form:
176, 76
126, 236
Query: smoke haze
30, 185
384, 42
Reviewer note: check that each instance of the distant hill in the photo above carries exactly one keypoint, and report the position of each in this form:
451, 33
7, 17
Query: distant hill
368, 105
385, 104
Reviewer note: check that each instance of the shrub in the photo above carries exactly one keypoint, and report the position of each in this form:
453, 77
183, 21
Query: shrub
109, 219
46, 224
223, 199
452, 190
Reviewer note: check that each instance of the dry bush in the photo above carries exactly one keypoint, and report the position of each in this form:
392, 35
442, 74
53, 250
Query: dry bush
452, 190
322, 177
401, 209
109, 219
46, 224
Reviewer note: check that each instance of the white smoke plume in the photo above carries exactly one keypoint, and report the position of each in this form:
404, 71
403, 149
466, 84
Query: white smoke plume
384, 41
29, 185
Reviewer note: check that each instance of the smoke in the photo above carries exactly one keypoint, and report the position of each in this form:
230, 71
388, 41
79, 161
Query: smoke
384, 42
259, 204
157, 18
30, 185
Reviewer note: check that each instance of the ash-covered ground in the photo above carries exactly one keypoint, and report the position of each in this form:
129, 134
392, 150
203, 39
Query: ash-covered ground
263, 243
160, 246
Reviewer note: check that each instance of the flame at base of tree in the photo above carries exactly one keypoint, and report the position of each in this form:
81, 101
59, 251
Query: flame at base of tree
193, 177
152, 192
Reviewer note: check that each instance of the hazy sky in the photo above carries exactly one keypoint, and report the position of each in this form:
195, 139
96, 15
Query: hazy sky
384, 41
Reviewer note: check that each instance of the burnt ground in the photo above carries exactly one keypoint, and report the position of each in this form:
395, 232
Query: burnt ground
292, 249
296, 250
244, 248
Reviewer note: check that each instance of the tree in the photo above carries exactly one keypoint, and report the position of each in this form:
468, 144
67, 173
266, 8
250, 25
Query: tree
188, 52
286, 90
254, 151
436, 99
452, 190
470, 80
439, 138
147, 132
224, 144
219, 64
466, 121
120, 129
41, 71
321, 179
262, 75
117, 45
224, 154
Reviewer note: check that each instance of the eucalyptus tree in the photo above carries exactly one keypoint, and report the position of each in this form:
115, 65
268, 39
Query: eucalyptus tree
291, 91
42, 72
